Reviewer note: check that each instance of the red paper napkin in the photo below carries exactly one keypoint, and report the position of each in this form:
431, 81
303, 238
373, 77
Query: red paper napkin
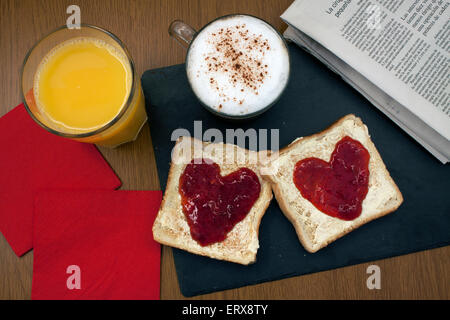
32, 159
96, 245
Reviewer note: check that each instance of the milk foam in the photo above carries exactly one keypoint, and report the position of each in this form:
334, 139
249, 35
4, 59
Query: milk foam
238, 65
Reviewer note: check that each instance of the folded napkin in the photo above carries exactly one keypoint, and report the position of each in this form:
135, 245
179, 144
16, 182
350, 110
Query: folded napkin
96, 245
32, 159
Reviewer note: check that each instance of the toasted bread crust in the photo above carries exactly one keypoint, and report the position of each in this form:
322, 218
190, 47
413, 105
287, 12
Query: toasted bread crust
293, 215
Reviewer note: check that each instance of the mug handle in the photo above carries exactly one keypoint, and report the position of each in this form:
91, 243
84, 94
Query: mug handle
182, 32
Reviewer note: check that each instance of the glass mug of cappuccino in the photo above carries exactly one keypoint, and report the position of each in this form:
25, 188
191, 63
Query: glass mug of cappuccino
237, 65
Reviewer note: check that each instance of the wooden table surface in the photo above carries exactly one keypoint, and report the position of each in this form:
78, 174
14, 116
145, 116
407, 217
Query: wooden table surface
142, 25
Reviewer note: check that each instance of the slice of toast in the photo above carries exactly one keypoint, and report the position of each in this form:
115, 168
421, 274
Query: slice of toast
314, 228
171, 227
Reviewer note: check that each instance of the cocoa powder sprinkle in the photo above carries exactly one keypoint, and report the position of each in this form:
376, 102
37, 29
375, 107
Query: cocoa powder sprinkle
234, 55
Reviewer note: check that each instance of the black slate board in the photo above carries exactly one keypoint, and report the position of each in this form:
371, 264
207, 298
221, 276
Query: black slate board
314, 99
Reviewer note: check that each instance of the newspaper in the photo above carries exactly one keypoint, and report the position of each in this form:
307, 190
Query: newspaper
396, 53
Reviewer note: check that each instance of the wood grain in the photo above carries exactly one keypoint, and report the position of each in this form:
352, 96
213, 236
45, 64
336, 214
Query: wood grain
142, 25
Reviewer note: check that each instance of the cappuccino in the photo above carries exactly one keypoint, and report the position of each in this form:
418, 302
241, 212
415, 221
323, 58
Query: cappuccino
238, 65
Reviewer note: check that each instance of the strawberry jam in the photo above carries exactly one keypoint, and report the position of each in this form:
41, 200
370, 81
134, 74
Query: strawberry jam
338, 187
214, 204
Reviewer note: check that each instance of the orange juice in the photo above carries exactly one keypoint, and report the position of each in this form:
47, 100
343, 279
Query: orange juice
84, 84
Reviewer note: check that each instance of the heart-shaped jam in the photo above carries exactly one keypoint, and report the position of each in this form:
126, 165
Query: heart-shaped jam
214, 204
338, 187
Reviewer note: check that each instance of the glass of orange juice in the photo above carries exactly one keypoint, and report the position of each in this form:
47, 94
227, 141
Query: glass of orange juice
81, 84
